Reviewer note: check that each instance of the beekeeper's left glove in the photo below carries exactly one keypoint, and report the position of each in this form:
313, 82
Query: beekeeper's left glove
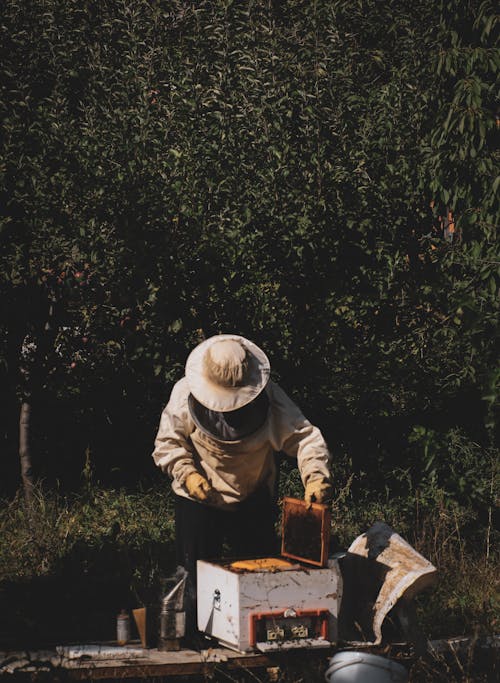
198, 487
318, 491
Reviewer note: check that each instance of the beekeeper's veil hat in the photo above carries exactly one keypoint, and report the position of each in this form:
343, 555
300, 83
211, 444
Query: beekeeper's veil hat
226, 372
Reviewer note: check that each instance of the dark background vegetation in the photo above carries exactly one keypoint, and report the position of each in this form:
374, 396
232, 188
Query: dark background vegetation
284, 170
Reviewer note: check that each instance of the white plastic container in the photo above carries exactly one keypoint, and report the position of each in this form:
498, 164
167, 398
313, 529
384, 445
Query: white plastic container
363, 667
122, 628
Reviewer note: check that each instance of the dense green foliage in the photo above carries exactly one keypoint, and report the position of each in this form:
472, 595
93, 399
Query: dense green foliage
278, 169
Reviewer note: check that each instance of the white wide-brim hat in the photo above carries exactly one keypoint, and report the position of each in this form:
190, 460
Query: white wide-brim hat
215, 392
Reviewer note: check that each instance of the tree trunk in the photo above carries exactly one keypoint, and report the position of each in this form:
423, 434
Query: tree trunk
25, 451
34, 352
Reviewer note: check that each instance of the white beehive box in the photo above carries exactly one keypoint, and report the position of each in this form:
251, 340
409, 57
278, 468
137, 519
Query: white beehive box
232, 604
272, 603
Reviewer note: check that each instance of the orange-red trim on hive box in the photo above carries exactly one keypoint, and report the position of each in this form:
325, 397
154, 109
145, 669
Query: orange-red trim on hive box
321, 614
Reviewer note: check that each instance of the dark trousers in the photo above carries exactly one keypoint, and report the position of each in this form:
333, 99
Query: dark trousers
207, 533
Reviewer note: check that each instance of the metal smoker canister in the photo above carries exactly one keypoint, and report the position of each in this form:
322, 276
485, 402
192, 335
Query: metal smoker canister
172, 617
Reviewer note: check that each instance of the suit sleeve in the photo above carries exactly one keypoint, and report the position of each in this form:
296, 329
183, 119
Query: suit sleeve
173, 451
300, 439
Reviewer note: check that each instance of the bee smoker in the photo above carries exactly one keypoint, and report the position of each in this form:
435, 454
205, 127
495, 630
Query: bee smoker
172, 613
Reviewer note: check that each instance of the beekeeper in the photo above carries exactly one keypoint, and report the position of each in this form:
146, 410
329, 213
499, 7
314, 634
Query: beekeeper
217, 441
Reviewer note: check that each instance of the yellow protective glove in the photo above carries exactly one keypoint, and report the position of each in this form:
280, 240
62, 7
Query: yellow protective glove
318, 491
198, 487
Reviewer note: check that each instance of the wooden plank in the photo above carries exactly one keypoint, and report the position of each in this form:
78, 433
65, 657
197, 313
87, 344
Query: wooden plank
78, 664
154, 663
132, 670
138, 663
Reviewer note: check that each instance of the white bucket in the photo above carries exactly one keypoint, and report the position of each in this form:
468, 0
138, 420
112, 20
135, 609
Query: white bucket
362, 667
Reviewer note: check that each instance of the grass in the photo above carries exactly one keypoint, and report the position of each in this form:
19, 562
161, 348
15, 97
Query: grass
34, 541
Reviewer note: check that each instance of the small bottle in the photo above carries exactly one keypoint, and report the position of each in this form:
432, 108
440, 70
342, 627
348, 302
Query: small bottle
122, 628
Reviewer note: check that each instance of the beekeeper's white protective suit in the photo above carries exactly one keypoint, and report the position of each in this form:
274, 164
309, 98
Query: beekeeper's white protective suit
234, 469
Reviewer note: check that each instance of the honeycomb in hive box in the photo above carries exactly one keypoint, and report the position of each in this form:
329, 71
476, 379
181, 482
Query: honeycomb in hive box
269, 564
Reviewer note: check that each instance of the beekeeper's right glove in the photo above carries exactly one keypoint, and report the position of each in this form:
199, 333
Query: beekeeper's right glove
198, 487
318, 491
